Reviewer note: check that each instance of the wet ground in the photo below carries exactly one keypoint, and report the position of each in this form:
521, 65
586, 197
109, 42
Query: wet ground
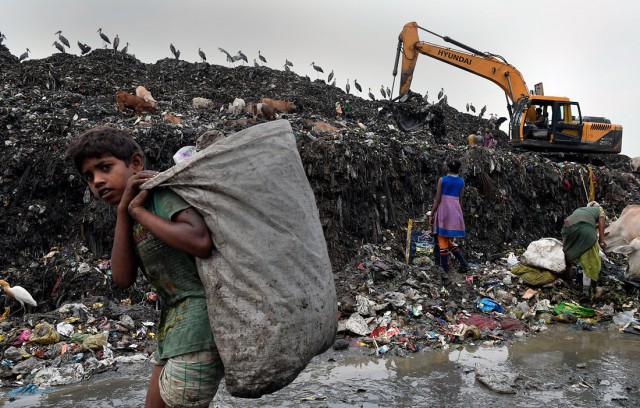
565, 366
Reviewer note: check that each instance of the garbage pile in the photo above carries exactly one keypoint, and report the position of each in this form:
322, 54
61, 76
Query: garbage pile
368, 178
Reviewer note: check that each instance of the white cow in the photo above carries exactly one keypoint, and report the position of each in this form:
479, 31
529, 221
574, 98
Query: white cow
623, 237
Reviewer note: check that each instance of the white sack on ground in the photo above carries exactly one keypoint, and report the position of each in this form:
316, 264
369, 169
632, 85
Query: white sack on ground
270, 291
545, 253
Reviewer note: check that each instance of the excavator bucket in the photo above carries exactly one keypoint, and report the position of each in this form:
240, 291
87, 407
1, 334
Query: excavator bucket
409, 120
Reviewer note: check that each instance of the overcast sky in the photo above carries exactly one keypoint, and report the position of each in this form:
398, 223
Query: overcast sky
580, 49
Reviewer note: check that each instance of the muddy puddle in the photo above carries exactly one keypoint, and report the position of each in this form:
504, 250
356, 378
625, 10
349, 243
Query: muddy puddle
563, 367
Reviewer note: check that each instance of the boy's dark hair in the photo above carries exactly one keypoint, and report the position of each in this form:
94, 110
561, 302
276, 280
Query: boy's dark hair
102, 141
454, 166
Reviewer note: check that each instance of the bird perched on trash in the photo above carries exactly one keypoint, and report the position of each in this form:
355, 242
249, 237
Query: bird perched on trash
240, 56
317, 68
426, 97
383, 92
63, 39
467, 106
473, 108
255, 63
286, 68
347, 87
176, 53
58, 46
334, 82
373, 98
483, 110
54, 78
287, 62
125, 49
330, 76
262, 58
441, 93
202, 55
2, 37
388, 93
116, 43
24, 55
357, 85
229, 57
84, 48
18, 293
104, 36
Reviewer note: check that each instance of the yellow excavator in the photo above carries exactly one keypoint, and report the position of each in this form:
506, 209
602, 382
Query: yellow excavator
537, 122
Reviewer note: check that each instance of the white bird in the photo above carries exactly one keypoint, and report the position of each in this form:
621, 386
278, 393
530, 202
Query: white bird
63, 39
262, 58
18, 293
441, 93
330, 76
357, 85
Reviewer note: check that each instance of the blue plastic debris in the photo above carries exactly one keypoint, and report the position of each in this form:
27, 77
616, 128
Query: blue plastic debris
490, 305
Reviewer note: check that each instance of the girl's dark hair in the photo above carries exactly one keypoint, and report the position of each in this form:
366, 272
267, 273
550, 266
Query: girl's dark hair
454, 166
102, 141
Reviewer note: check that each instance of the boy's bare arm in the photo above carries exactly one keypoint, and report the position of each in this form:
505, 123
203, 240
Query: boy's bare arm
124, 266
186, 232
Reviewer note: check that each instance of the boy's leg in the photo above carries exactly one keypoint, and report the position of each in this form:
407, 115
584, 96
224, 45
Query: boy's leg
463, 262
153, 399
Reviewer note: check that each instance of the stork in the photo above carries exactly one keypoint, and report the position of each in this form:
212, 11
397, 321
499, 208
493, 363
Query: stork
240, 56
441, 93
347, 87
2, 37
18, 293
373, 98
202, 55
288, 63
262, 58
104, 36
467, 106
383, 92
125, 49
116, 43
58, 46
54, 77
330, 76
286, 68
426, 97
84, 48
388, 93
483, 110
333, 83
24, 55
357, 85
175, 52
229, 57
63, 39
317, 68
473, 108
255, 64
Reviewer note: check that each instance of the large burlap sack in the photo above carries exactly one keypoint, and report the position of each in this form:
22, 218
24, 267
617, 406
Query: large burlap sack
270, 291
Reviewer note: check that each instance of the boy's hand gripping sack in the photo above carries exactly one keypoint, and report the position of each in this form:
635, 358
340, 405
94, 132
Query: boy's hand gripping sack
270, 292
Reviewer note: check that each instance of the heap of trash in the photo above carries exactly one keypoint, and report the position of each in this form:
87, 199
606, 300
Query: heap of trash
369, 179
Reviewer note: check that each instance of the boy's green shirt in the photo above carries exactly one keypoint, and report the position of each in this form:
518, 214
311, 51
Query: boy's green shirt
184, 322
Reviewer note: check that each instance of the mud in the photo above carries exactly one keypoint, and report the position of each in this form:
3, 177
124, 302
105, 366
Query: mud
565, 366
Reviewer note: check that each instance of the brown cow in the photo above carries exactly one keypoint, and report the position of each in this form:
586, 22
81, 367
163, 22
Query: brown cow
278, 105
261, 109
138, 104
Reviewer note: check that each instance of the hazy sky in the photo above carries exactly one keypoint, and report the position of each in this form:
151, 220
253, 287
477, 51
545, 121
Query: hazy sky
580, 49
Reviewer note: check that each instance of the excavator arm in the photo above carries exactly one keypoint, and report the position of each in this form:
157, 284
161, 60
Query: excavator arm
486, 65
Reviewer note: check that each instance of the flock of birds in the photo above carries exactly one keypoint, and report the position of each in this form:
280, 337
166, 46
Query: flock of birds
62, 44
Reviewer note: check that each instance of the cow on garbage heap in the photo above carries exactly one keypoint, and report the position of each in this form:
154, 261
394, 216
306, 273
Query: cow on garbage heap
623, 237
